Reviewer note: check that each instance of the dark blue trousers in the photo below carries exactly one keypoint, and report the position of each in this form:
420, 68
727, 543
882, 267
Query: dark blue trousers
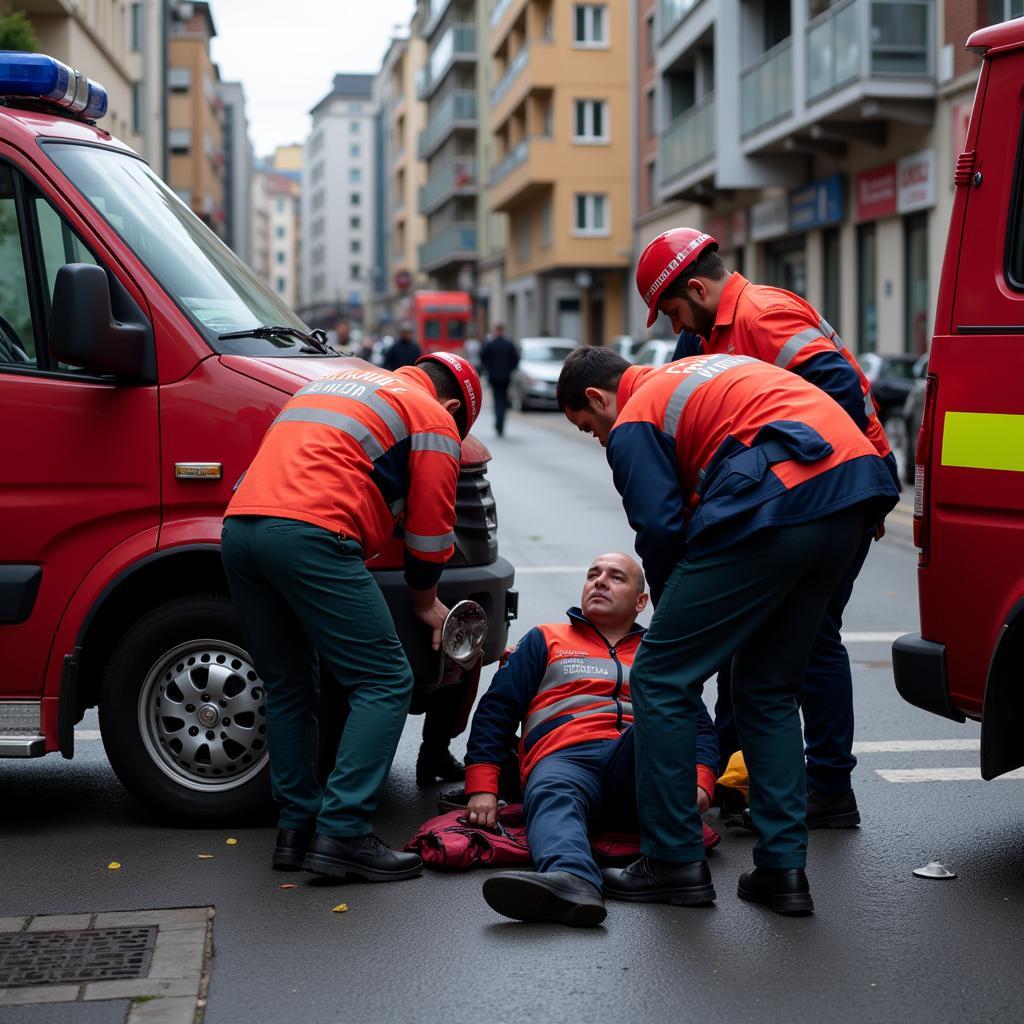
826, 697
499, 392
571, 790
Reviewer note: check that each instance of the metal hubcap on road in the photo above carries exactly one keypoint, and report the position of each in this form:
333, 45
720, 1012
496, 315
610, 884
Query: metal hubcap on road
202, 716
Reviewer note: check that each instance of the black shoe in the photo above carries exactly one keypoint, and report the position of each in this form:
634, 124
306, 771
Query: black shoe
438, 765
660, 881
290, 849
784, 890
832, 810
555, 896
747, 822
367, 857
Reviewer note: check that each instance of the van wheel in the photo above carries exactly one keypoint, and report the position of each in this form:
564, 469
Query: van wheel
182, 713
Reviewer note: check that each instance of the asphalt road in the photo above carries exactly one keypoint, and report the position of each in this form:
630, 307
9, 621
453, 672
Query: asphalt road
883, 944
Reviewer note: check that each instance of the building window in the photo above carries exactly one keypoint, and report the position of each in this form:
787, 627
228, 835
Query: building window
280, 284
354, 199
1004, 10
355, 223
137, 26
355, 175
590, 25
915, 283
649, 36
279, 258
355, 108
355, 246
179, 79
652, 186
138, 103
831, 278
279, 231
354, 150
353, 127
590, 214
867, 289
356, 272
279, 205
590, 121
522, 238
546, 223
179, 140
651, 112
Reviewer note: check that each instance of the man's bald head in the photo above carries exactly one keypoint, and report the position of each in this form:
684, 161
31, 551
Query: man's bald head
613, 594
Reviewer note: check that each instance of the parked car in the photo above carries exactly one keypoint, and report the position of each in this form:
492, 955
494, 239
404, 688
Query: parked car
540, 363
891, 377
655, 353
903, 426
625, 346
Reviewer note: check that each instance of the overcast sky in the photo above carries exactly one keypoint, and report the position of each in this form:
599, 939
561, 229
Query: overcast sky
286, 55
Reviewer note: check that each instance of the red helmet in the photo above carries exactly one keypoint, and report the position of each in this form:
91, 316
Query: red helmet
469, 383
664, 259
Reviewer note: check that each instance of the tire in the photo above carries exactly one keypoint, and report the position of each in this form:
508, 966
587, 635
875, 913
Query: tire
182, 714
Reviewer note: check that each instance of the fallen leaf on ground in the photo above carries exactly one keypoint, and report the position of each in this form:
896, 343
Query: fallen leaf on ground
113, 865
340, 908
205, 856
288, 885
231, 842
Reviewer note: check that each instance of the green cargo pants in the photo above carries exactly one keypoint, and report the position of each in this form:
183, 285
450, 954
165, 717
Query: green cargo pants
302, 591
759, 603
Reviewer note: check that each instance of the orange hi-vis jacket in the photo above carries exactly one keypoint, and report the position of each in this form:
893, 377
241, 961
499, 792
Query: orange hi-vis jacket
356, 453
783, 329
709, 449
563, 685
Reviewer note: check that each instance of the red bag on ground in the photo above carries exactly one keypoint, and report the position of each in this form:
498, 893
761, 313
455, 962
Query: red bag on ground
449, 843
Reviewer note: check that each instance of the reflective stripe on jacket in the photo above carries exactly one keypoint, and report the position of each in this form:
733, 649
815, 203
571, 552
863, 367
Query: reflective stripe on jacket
357, 452
709, 449
783, 329
563, 685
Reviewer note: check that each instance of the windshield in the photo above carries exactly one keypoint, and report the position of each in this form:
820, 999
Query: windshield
541, 352
203, 276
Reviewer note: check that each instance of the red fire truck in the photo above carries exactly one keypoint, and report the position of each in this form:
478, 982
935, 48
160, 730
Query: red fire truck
442, 320
140, 365
968, 659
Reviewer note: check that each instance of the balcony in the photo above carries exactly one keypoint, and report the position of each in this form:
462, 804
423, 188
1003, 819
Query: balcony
457, 111
766, 89
687, 145
511, 74
536, 66
436, 9
454, 178
456, 46
456, 245
503, 17
671, 13
528, 167
868, 39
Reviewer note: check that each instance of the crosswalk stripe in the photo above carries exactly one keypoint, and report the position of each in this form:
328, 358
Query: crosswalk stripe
908, 746
869, 637
941, 774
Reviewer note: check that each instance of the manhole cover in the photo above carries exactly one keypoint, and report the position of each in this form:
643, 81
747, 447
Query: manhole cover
54, 958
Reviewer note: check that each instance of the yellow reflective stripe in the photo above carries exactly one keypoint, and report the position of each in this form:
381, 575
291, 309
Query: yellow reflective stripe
983, 440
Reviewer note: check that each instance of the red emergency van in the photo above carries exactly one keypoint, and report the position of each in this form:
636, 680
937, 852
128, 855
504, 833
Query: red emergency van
968, 659
442, 320
140, 364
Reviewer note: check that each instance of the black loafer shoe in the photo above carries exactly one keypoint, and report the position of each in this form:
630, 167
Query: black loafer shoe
783, 890
438, 765
555, 896
362, 857
660, 881
832, 810
290, 849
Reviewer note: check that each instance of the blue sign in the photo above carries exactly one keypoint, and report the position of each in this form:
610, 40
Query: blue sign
816, 205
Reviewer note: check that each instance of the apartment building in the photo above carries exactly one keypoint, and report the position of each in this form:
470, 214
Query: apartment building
561, 117
400, 227
449, 199
194, 109
339, 171
238, 170
816, 139
118, 44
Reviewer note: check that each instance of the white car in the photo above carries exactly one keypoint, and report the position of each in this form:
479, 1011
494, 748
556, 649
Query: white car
540, 363
655, 353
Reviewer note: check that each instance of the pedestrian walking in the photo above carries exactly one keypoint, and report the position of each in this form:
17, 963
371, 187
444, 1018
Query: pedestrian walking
403, 350
499, 358
681, 275
749, 491
347, 458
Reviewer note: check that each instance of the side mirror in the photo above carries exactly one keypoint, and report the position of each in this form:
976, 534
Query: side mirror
83, 331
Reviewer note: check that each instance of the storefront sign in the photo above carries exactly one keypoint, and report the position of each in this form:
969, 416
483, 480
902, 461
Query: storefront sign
769, 219
874, 193
816, 205
915, 182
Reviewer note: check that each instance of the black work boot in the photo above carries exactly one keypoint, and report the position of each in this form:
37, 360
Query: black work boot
554, 896
438, 764
832, 810
784, 890
367, 857
661, 881
290, 849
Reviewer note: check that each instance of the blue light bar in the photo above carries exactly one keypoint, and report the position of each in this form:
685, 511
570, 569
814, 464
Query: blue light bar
36, 76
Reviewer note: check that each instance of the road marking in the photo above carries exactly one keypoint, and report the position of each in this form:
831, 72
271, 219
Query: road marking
872, 637
941, 774
908, 746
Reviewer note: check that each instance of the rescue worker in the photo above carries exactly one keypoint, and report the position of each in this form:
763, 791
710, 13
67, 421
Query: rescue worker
749, 491
567, 686
403, 351
347, 458
681, 275
499, 358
